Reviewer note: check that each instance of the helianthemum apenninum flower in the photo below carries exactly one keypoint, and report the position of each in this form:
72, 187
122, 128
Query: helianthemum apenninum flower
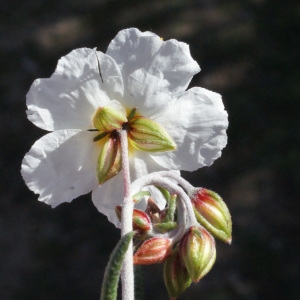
139, 85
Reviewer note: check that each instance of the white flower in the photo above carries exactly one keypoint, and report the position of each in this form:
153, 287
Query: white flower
139, 70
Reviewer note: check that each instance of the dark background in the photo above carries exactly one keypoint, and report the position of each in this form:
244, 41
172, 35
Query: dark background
248, 52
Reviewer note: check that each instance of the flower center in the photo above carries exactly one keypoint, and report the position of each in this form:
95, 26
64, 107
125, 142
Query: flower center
143, 134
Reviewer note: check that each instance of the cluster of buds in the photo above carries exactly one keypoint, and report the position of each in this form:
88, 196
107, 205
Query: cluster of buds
182, 234
151, 242
191, 259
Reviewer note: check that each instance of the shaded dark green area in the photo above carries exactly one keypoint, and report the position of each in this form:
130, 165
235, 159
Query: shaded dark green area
248, 52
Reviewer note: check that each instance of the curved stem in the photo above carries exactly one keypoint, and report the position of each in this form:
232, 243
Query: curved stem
127, 271
176, 176
186, 213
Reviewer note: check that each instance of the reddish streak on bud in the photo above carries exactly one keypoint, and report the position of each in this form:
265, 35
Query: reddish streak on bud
141, 222
212, 213
153, 251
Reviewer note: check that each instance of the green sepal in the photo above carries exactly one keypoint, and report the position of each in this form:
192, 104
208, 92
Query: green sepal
109, 288
140, 195
108, 118
149, 136
170, 216
165, 227
100, 136
131, 114
110, 160
171, 200
165, 193
176, 277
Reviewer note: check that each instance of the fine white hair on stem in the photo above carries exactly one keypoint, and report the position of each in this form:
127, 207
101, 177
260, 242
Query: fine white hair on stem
127, 270
177, 178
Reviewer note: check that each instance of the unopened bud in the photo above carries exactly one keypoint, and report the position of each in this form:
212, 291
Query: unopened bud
141, 222
212, 213
153, 251
145, 134
198, 252
176, 277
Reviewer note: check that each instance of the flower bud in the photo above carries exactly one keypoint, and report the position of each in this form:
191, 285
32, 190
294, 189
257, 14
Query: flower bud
152, 251
212, 213
109, 161
176, 277
147, 135
198, 252
141, 222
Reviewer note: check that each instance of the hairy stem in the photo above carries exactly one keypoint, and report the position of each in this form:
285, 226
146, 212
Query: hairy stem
127, 270
177, 178
186, 216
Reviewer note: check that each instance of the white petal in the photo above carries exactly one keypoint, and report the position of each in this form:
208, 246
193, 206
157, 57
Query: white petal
68, 99
153, 70
142, 164
107, 196
197, 122
61, 166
